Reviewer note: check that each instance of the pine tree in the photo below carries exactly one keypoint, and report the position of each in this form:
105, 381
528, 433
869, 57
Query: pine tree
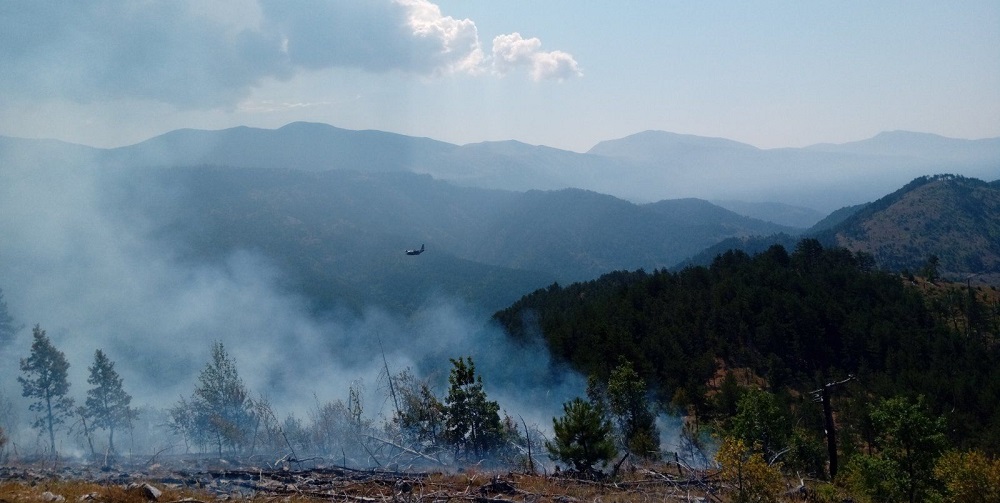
45, 379
220, 411
107, 402
628, 402
7, 327
760, 423
222, 402
931, 268
472, 422
583, 436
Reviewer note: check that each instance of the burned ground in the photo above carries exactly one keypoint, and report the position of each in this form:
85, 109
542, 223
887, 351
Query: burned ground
193, 480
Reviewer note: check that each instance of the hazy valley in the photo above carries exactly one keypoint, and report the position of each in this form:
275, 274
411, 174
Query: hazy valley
289, 247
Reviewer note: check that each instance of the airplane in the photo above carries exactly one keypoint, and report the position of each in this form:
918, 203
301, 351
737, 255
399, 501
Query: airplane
415, 252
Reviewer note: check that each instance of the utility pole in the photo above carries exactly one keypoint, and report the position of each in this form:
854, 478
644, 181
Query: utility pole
823, 395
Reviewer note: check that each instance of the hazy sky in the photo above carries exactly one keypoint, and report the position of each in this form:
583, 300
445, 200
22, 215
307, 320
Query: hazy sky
561, 73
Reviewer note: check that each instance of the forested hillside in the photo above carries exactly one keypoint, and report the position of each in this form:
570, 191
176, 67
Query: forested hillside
794, 320
953, 218
339, 235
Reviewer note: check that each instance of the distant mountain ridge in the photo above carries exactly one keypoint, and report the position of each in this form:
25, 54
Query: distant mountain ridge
299, 145
336, 206
823, 177
645, 167
340, 235
782, 214
657, 145
911, 144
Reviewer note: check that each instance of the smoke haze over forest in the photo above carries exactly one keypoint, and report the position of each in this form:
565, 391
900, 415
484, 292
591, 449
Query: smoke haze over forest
91, 275
523, 149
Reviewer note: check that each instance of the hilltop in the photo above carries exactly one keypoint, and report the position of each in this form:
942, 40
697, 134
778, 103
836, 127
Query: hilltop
954, 218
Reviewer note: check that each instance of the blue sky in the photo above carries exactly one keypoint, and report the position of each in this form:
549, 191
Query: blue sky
566, 74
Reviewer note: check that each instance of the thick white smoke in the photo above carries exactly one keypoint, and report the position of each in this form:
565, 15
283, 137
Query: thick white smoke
89, 274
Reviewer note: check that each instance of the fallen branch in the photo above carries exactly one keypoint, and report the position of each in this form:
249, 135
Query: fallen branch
614, 473
408, 450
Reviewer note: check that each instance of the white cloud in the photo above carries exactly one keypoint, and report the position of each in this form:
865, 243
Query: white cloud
188, 55
554, 65
513, 51
460, 50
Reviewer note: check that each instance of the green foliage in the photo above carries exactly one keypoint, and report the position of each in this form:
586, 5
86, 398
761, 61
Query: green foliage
751, 479
421, 416
628, 402
760, 422
583, 436
827, 493
726, 401
931, 269
45, 380
873, 477
969, 476
807, 452
908, 443
472, 422
794, 318
108, 405
220, 411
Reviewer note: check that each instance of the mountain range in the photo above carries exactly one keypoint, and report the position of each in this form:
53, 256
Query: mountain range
342, 233
644, 167
334, 209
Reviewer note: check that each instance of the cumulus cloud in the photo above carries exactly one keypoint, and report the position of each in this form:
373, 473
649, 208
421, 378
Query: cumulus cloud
513, 51
187, 54
458, 48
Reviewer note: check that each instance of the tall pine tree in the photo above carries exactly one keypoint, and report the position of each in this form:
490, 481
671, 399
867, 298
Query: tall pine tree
220, 411
629, 403
45, 380
107, 402
472, 422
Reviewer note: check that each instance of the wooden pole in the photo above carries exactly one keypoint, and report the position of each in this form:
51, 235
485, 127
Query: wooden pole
824, 395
